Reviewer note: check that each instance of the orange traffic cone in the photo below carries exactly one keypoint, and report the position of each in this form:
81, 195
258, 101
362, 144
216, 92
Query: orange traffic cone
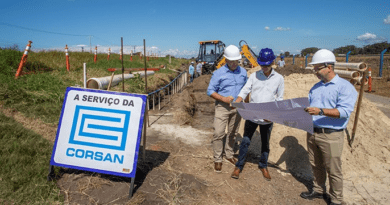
23, 60
369, 81
95, 58
67, 58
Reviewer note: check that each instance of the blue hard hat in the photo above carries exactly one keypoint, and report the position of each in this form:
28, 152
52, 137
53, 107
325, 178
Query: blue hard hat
266, 56
281, 57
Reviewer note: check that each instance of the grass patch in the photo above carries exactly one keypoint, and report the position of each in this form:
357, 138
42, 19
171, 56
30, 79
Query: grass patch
24, 163
40, 94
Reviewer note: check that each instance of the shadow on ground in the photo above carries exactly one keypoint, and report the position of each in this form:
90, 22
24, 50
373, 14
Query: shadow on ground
84, 187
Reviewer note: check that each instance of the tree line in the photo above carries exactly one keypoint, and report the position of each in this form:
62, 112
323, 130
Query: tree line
376, 48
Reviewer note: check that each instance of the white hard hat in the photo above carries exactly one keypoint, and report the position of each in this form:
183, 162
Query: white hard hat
192, 62
323, 56
232, 53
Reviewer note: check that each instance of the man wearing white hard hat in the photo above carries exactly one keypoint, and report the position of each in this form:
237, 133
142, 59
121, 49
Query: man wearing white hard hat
332, 101
225, 85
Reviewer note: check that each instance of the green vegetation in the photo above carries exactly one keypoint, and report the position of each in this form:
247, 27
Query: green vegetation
25, 155
375, 48
24, 163
41, 92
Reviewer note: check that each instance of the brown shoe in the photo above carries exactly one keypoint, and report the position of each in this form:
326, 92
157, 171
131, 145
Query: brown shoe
236, 173
217, 166
232, 161
265, 173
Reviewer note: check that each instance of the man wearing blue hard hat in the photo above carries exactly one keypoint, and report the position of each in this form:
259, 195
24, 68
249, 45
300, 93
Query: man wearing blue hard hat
281, 62
265, 85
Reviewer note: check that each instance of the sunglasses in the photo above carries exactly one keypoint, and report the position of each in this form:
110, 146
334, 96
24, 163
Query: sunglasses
318, 68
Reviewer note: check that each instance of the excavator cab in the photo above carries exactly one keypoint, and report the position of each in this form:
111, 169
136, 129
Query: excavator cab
210, 53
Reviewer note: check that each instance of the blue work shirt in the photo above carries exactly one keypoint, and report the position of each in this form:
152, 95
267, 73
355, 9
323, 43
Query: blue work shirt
339, 94
226, 82
191, 70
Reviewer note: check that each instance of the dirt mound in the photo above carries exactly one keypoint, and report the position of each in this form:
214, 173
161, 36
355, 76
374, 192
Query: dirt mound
366, 165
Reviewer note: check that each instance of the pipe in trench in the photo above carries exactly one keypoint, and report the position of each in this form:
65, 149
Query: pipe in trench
102, 83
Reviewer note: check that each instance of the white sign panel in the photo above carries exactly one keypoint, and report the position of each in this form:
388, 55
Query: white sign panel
99, 131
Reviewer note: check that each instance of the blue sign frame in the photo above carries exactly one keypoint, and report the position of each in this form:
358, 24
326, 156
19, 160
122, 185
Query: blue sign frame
121, 147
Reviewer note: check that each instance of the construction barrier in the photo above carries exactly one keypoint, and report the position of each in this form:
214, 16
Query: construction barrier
175, 86
67, 58
23, 60
95, 58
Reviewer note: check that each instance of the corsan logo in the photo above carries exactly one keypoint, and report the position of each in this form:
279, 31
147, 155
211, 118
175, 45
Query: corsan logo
100, 127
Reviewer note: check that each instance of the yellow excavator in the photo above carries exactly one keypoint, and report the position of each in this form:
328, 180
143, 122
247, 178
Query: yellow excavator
211, 55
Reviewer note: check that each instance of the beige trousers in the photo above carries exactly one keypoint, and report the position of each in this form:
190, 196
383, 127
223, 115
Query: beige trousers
325, 158
224, 116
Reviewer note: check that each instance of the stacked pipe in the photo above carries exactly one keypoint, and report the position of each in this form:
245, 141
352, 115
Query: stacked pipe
350, 71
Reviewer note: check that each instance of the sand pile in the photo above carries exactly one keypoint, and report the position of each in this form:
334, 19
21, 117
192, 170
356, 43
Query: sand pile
366, 166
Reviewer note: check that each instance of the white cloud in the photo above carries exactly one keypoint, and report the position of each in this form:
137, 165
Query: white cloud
282, 29
370, 38
266, 28
387, 20
366, 36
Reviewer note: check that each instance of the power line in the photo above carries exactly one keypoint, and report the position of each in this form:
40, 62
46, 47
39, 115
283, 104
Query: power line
31, 29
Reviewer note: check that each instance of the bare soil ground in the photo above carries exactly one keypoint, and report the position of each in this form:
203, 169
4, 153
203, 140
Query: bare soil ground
178, 164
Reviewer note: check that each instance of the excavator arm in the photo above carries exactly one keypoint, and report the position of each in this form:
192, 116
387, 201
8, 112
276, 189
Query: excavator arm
246, 51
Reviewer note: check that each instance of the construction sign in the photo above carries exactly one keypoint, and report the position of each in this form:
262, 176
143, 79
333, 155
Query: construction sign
99, 131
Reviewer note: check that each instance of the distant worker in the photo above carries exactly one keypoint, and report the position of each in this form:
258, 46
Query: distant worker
191, 70
265, 85
281, 62
212, 52
225, 84
199, 69
332, 101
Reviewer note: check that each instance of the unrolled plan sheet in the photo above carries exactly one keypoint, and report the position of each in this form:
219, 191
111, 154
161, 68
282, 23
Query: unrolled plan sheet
287, 112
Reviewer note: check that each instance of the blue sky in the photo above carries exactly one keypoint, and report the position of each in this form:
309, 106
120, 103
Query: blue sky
176, 27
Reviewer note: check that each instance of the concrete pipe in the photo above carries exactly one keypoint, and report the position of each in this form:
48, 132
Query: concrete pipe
347, 74
102, 83
359, 80
351, 66
353, 81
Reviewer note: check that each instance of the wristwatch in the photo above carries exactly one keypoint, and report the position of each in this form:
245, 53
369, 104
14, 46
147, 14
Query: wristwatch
321, 112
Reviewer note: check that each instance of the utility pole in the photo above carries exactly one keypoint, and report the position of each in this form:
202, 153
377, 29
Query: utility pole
90, 46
